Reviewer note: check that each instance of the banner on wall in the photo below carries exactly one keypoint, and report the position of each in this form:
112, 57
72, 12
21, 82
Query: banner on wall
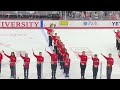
20, 24
116, 23
63, 23
90, 23
77, 24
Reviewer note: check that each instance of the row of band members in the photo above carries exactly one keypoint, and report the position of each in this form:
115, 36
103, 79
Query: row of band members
62, 57
65, 64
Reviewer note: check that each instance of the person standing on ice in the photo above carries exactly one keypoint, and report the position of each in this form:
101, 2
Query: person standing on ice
59, 47
61, 52
65, 54
26, 65
12, 58
110, 62
67, 65
54, 59
95, 66
83, 62
40, 60
50, 34
58, 44
55, 41
1, 57
116, 37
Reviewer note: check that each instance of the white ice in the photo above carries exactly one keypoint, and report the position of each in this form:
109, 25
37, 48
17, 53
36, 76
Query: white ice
98, 41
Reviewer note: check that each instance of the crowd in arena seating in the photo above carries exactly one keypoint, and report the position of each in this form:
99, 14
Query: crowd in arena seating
94, 15
58, 15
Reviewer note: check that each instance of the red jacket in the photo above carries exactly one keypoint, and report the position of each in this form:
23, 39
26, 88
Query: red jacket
49, 30
40, 59
12, 60
62, 51
67, 63
54, 39
110, 61
54, 57
1, 57
117, 35
84, 59
26, 61
64, 56
59, 48
95, 62
58, 43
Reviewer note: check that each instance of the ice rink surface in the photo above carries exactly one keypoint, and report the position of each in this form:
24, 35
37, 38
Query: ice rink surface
97, 41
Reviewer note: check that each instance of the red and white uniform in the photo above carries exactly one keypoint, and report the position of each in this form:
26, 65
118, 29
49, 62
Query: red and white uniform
1, 57
84, 59
95, 62
64, 56
54, 38
12, 59
49, 30
54, 58
110, 61
40, 59
59, 47
26, 61
117, 35
67, 63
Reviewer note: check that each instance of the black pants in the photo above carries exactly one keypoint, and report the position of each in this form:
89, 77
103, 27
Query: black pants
67, 70
53, 67
95, 71
58, 57
12, 68
50, 41
118, 46
61, 62
116, 43
26, 72
0, 67
39, 71
83, 67
63, 66
55, 48
109, 71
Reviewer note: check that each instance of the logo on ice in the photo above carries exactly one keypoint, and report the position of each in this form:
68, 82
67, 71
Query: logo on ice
89, 23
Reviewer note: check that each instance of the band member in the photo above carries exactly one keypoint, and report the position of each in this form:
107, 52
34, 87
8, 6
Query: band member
118, 40
117, 37
55, 41
95, 66
40, 60
59, 50
67, 65
83, 62
110, 62
12, 58
54, 59
50, 34
1, 57
62, 51
65, 53
26, 65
